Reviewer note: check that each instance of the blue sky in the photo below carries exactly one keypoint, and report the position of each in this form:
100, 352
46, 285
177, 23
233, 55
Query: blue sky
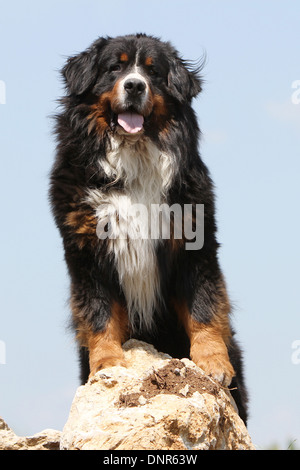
251, 143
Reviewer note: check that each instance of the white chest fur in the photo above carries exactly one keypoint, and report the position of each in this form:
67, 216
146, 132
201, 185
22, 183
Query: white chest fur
146, 173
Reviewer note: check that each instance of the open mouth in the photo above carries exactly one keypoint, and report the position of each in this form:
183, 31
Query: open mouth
131, 121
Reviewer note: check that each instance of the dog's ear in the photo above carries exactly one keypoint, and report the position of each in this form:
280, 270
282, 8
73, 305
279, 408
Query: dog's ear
80, 71
184, 83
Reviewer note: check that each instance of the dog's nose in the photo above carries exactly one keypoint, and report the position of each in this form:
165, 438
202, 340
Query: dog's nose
135, 86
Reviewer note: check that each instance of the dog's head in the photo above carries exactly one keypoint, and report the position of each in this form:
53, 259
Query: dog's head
130, 83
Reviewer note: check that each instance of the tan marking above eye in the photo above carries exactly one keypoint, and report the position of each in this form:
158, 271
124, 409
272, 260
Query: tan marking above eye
149, 61
124, 57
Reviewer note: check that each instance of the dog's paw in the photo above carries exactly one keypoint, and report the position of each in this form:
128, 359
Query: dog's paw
107, 362
217, 366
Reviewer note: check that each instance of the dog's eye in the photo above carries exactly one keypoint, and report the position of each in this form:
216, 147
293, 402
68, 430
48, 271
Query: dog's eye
152, 71
115, 68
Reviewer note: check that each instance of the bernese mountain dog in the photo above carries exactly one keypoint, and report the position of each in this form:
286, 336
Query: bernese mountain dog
127, 139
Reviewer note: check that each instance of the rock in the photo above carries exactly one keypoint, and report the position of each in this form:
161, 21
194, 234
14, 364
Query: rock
156, 403
45, 440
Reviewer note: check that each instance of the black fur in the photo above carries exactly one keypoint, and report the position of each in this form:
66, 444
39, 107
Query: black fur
193, 277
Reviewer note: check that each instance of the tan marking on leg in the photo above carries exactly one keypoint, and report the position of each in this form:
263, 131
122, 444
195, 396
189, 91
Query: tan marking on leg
105, 347
208, 343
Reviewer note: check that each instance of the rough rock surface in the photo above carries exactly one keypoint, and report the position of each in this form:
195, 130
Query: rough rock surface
155, 403
45, 440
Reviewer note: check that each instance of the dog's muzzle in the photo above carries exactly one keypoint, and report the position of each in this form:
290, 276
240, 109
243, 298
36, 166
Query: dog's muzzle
134, 93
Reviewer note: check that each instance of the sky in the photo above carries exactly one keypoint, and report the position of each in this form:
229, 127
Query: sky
249, 114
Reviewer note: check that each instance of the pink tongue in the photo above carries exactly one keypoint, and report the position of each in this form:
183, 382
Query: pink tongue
131, 122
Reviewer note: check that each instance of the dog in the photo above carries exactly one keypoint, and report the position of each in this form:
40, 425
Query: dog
127, 139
